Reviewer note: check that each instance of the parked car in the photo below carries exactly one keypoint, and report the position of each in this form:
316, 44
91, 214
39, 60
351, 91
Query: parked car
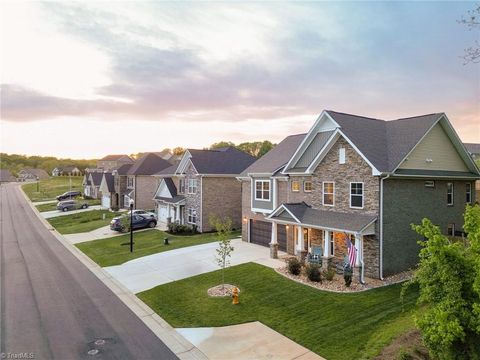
138, 222
67, 205
69, 195
144, 213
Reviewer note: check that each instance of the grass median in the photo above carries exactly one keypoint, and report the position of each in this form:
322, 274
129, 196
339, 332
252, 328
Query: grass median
333, 325
53, 206
82, 221
109, 252
52, 187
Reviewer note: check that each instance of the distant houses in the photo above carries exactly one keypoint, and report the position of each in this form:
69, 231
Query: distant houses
66, 171
30, 174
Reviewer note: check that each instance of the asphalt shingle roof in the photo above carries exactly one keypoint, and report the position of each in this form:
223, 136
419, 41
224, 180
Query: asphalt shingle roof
173, 191
472, 148
97, 178
168, 171
123, 170
220, 161
115, 157
148, 164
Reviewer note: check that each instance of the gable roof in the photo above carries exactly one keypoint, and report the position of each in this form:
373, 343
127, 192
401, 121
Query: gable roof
174, 198
6, 175
123, 170
40, 173
107, 182
472, 148
277, 157
116, 157
168, 171
228, 160
148, 164
96, 178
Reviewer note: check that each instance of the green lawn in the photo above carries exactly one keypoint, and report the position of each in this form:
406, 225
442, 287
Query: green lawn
82, 222
52, 187
53, 206
108, 252
335, 326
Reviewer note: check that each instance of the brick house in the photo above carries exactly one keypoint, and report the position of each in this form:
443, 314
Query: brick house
141, 183
111, 162
203, 184
363, 179
31, 174
107, 189
91, 184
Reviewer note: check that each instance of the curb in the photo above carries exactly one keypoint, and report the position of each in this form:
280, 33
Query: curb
180, 346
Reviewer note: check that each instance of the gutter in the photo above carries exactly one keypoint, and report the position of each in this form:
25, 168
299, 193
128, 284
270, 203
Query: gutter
381, 224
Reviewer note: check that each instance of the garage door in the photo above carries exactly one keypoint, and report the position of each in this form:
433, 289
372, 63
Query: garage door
162, 214
106, 202
260, 232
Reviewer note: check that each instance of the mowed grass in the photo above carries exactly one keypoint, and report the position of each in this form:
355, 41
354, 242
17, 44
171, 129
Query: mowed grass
53, 206
109, 252
335, 326
52, 187
82, 222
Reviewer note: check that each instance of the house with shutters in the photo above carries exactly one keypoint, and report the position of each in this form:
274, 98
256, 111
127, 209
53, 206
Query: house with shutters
203, 184
359, 179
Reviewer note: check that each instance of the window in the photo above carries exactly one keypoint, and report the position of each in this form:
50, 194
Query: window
295, 185
331, 244
262, 190
181, 186
468, 197
356, 195
307, 186
328, 193
130, 182
451, 230
341, 155
192, 186
192, 216
449, 193
430, 183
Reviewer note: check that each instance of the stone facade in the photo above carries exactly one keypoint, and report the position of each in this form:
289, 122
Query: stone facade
193, 201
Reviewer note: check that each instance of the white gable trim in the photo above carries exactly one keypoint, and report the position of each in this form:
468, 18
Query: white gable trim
309, 138
323, 152
183, 163
283, 207
103, 186
163, 191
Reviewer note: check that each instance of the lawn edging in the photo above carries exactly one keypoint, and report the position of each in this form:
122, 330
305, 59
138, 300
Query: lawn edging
166, 333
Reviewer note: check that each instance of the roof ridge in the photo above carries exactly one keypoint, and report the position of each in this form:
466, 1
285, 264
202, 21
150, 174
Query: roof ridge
359, 116
413, 117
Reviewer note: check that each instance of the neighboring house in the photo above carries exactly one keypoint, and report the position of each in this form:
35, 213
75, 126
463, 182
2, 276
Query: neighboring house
203, 184
141, 184
57, 171
474, 150
361, 178
111, 162
107, 189
120, 182
6, 176
91, 184
31, 174
69, 171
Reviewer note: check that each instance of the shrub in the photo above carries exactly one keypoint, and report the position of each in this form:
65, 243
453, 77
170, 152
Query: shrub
294, 266
174, 228
347, 275
329, 274
313, 272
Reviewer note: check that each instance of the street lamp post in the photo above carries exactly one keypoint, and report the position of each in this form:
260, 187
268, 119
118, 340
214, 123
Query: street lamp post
131, 225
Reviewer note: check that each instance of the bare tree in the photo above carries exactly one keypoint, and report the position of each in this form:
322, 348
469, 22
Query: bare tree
472, 22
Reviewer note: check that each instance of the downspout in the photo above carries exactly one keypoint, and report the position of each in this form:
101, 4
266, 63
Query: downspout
381, 225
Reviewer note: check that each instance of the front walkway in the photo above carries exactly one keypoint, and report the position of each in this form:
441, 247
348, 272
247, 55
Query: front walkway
55, 213
246, 341
147, 272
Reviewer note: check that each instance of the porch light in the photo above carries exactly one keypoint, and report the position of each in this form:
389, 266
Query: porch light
286, 227
244, 219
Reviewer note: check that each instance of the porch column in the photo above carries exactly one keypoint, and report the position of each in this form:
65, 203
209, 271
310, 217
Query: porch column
301, 252
326, 243
274, 242
358, 246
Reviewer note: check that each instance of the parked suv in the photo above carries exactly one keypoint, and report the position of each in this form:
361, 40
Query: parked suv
144, 213
139, 222
71, 205
69, 195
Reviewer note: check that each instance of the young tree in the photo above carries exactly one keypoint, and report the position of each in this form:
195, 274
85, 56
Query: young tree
448, 277
472, 22
223, 226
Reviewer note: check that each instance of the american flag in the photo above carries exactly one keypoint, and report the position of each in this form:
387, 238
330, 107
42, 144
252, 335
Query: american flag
352, 252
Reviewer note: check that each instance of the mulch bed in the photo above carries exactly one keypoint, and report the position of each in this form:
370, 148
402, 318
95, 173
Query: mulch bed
221, 290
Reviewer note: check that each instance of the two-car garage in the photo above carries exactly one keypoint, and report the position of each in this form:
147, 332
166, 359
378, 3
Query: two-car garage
261, 234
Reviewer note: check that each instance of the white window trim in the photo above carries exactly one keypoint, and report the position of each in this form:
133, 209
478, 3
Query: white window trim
350, 194
468, 192
291, 186
194, 188
269, 190
342, 155
323, 193
453, 229
311, 185
331, 243
450, 203
191, 216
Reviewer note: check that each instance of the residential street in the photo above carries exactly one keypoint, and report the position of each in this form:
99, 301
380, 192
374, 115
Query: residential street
52, 306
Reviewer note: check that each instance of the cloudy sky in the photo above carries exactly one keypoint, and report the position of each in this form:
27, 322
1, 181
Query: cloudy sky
86, 79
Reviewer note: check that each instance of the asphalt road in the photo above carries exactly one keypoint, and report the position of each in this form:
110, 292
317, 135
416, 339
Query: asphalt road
52, 306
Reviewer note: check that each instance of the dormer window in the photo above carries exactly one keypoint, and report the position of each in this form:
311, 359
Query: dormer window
341, 155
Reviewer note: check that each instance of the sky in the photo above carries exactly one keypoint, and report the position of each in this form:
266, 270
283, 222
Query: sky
86, 79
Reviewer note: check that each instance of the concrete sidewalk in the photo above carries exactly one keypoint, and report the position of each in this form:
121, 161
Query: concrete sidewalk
246, 341
45, 202
98, 234
149, 271
56, 213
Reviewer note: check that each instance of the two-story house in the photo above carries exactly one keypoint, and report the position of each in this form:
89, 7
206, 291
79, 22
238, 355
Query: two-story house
141, 182
203, 184
111, 162
91, 183
359, 179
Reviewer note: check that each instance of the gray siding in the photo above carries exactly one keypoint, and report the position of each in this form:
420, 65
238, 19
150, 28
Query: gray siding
407, 202
259, 204
313, 149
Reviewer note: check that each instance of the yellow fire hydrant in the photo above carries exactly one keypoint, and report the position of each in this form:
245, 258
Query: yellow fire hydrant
235, 296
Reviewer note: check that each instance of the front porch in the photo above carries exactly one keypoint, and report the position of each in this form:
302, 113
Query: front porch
326, 232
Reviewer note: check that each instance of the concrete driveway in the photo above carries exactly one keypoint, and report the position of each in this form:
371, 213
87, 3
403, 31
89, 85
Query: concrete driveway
55, 213
153, 270
98, 234
246, 341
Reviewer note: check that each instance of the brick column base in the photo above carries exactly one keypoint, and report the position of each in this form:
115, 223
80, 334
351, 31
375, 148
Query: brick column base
274, 251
